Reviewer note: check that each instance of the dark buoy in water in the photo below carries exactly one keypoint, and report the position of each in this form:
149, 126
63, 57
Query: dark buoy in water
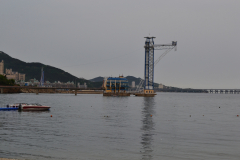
219, 107
190, 116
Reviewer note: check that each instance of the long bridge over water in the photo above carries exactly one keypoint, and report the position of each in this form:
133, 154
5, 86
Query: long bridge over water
216, 91
52, 88
224, 91
188, 90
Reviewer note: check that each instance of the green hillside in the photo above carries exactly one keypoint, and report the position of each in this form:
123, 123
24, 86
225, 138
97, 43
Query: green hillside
97, 79
33, 70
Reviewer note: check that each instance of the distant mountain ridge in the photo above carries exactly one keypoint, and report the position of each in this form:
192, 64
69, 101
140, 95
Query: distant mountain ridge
33, 70
97, 79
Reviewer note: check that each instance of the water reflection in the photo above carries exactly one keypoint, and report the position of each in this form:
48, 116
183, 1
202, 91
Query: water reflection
147, 127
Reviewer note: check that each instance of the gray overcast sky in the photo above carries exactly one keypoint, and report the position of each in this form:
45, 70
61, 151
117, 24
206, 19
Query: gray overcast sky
105, 38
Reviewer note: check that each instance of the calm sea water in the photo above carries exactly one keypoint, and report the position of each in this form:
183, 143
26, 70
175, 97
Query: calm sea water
93, 127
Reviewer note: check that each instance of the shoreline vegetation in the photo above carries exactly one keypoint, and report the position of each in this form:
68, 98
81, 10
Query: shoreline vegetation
5, 81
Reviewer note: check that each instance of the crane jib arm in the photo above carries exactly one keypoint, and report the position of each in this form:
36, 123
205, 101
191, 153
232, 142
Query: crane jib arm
165, 46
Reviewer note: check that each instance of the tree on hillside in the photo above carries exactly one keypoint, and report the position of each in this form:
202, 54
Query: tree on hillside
5, 81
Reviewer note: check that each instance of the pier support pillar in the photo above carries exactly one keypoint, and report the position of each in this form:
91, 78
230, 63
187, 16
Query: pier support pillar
1, 90
75, 92
37, 91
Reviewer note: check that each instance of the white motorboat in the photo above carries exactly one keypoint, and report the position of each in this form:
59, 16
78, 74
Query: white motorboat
33, 107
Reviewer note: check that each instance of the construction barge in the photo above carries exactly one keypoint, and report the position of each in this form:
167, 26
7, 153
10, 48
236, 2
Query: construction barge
115, 86
118, 86
145, 94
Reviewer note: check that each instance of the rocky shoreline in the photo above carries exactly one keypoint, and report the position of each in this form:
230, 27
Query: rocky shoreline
12, 90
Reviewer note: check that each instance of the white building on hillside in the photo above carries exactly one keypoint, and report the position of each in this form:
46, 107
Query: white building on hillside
15, 75
2, 67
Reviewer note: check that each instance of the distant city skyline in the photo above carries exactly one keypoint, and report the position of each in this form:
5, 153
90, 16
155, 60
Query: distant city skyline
105, 38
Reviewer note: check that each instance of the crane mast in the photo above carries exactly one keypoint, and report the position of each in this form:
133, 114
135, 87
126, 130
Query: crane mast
149, 61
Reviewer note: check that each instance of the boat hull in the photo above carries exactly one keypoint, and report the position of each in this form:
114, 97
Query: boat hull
8, 109
25, 107
35, 108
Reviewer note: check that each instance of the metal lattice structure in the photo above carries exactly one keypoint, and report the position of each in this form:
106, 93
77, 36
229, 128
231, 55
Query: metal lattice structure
149, 63
149, 59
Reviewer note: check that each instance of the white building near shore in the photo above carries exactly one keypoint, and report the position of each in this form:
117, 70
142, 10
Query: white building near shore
2, 67
10, 74
133, 84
